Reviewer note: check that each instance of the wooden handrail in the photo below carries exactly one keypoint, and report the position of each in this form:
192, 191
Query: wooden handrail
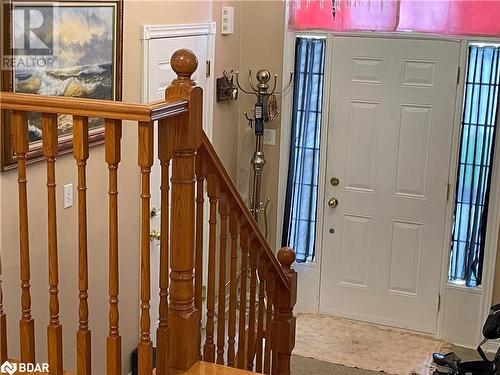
93, 107
211, 154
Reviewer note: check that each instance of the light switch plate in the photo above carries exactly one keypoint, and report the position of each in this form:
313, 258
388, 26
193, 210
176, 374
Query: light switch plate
68, 195
227, 21
270, 137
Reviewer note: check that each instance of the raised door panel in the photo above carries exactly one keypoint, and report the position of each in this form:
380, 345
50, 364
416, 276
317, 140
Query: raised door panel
362, 136
355, 266
412, 159
405, 258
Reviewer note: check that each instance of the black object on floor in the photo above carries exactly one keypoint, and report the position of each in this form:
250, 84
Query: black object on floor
133, 361
451, 364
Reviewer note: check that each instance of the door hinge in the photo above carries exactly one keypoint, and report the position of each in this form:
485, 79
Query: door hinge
458, 75
439, 302
207, 66
447, 192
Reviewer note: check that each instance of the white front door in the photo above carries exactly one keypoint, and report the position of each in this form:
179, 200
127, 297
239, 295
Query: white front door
158, 74
389, 138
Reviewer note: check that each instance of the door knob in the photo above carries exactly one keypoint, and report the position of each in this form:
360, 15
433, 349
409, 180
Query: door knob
154, 235
333, 202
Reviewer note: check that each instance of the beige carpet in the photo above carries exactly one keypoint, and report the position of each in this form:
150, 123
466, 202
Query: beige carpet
364, 345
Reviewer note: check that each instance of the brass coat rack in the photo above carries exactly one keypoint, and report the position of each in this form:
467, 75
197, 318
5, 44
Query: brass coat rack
264, 110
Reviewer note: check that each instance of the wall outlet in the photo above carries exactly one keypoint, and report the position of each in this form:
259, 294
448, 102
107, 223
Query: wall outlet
270, 137
68, 195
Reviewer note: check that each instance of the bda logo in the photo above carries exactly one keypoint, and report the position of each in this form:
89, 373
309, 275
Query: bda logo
8, 368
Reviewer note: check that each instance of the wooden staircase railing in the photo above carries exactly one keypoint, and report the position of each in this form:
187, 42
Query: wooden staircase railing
267, 284
262, 287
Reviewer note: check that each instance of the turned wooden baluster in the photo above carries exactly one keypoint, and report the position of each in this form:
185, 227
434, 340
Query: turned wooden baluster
3, 324
275, 337
163, 331
185, 135
234, 227
145, 347
270, 284
201, 173
83, 335
54, 329
213, 198
112, 135
284, 321
251, 314
26, 324
262, 310
242, 341
221, 306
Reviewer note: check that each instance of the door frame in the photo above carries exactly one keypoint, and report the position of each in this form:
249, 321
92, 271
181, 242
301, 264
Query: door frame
481, 297
149, 32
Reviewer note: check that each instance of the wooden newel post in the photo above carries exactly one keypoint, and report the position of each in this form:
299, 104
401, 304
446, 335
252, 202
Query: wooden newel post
184, 138
284, 321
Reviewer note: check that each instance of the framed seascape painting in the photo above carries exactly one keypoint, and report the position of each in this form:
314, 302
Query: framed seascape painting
63, 48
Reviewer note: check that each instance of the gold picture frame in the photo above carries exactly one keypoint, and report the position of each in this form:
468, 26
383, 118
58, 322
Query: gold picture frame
84, 38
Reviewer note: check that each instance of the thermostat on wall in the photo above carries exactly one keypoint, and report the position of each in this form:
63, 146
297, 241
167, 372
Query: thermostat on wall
227, 24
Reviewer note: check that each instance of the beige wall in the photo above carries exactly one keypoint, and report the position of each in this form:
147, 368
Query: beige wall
227, 57
257, 43
248, 46
261, 47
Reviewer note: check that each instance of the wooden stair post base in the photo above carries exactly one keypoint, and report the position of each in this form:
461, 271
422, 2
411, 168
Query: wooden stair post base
54, 348
163, 343
114, 356
27, 340
184, 353
83, 352
145, 357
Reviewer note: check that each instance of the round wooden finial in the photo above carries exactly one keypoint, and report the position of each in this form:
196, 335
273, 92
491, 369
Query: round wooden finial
184, 64
286, 257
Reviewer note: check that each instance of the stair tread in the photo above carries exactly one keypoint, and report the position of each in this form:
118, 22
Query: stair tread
206, 368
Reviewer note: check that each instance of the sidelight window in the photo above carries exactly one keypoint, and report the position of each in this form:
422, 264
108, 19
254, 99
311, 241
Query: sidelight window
477, 143
299, 224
